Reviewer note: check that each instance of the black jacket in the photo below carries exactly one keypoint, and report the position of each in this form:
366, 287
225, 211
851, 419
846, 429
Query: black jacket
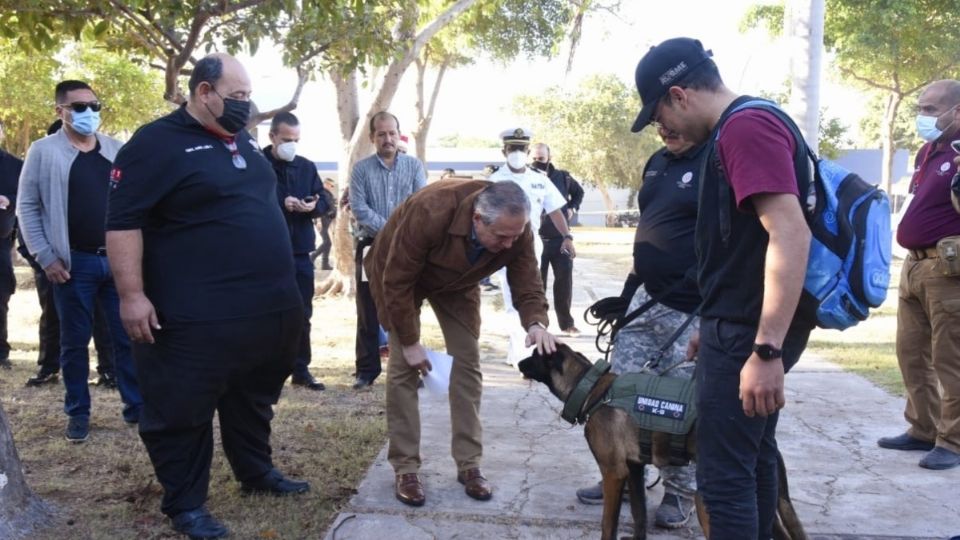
572, 192
10, 167
299, 178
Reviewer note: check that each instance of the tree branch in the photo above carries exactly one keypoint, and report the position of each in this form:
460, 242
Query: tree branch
302, 76
869, 82
436, 89
149, 34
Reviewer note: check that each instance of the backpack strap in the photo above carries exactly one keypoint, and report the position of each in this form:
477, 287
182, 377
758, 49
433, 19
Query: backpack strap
804, 159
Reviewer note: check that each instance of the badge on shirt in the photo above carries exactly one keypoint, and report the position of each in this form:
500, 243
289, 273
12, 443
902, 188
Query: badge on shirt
686, 181
945, 168
115, 175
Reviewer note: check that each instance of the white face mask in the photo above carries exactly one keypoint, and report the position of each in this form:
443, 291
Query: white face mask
287, 151
517, 159
927, 128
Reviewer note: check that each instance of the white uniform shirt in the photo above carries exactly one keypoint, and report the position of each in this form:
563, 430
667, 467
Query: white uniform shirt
543, 195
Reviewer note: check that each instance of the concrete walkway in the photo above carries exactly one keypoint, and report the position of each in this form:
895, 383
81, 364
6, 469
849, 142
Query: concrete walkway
842, 484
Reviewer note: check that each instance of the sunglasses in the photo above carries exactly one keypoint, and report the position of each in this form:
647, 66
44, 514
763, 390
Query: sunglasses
81, 106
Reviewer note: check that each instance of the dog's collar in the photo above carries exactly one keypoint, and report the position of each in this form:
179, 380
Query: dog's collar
573, 406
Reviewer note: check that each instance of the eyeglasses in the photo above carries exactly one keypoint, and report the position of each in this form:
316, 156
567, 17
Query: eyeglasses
81, 106
238, 160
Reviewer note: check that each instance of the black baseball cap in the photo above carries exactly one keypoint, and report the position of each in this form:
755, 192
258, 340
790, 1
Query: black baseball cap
664, 66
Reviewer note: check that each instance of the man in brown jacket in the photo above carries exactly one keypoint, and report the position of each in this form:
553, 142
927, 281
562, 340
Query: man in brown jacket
437, 246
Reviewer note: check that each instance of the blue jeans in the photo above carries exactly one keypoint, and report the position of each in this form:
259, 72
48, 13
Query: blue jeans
736, 455
90, 278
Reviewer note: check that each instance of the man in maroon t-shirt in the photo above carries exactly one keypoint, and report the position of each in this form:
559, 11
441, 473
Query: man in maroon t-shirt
752, 243
928, 315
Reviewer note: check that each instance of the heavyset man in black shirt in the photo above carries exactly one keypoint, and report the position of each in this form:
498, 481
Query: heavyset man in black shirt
301, 197
204, 266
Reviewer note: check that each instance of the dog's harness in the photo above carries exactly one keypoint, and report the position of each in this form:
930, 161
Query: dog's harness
655, 403
574, 410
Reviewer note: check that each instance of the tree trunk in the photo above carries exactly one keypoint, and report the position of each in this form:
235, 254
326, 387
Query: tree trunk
424, 109
420, 132
383, 97
610, 219
357, 144
888, 143
341, 279
20, 510
803, 30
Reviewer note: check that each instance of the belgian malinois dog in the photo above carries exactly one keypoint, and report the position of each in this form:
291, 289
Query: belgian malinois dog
614, 437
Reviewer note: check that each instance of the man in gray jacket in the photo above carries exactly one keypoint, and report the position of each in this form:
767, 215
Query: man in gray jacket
62, 208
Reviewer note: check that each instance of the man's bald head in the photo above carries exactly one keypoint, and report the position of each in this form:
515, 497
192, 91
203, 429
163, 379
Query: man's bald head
945, 92
214, 67
217, 79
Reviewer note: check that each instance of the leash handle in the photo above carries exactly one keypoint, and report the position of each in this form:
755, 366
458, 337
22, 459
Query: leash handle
654, 362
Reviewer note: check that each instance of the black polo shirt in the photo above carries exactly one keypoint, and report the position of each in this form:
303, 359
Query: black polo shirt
664, 253
215, 244
298, 178
87, 189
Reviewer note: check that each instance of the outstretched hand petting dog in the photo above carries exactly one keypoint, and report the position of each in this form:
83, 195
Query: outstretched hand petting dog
545, 341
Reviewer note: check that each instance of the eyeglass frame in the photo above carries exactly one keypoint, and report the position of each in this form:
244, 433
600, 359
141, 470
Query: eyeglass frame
81, 106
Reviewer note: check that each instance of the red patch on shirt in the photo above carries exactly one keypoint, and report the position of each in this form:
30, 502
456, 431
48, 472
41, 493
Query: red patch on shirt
115, 174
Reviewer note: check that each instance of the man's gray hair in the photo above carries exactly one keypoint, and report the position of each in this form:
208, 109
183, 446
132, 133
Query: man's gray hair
501, 198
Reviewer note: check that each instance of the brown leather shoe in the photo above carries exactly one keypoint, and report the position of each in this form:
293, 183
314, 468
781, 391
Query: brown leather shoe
475, 485
410, 489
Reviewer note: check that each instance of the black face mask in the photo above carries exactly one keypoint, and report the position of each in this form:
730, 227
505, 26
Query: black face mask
236, 114
540, 166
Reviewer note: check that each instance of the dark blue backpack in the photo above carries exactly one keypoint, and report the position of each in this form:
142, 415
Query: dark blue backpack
848, 270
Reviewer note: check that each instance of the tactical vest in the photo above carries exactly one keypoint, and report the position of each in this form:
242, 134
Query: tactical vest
654, 402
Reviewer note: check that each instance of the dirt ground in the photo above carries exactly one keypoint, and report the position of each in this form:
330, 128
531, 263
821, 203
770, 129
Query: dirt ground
105, 488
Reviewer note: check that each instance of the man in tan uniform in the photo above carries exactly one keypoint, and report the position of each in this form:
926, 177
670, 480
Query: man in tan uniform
437, 246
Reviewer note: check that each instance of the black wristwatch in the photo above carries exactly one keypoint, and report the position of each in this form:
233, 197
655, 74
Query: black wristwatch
568, 236
766, 351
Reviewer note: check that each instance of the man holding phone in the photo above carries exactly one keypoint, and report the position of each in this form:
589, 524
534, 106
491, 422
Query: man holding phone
298, 189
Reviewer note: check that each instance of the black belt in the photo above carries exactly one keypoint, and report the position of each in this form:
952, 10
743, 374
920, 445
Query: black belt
101, 251
925, 253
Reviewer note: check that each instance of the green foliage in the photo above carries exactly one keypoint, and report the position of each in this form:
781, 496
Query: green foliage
768, 17
340, 35
833, 137
894, 45
26, 95
904, 127
506, 29
132, 94
588, 130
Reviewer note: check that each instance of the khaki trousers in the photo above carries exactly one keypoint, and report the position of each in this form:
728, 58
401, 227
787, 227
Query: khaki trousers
466, 386
928, 351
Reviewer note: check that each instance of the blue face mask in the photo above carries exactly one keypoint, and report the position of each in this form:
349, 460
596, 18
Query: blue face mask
86, 122
927, 128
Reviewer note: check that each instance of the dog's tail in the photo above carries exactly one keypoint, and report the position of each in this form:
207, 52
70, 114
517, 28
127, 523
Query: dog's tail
787, 525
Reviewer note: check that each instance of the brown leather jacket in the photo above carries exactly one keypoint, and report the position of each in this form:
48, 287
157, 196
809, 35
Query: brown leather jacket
421, 253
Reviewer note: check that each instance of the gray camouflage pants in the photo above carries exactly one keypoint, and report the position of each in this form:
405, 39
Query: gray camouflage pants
638, 342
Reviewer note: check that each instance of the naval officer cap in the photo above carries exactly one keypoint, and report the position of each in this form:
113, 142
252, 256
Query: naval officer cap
517, 135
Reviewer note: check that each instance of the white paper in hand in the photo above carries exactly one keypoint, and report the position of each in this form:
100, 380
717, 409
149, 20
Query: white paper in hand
437, 380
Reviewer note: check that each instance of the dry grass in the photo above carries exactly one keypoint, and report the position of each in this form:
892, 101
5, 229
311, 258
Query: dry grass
105, 488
